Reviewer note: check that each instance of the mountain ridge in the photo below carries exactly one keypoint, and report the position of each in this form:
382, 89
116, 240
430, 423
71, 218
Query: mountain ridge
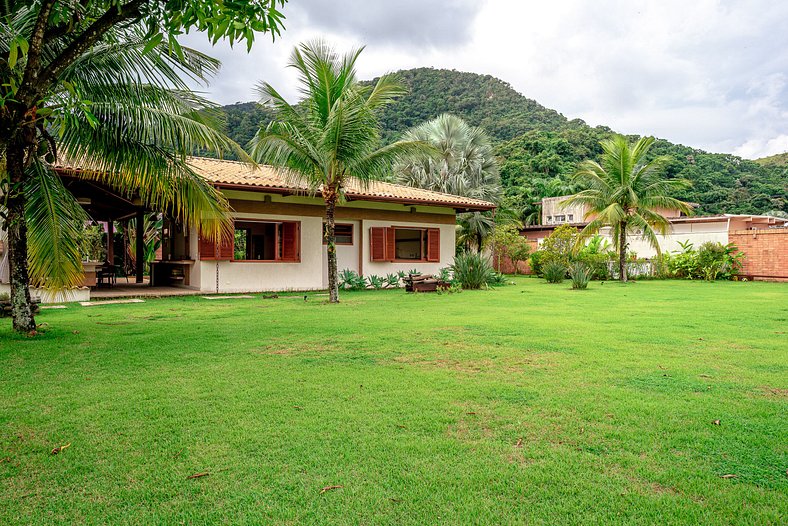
539, 148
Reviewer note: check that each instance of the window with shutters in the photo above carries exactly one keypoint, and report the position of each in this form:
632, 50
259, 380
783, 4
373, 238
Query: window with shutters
404, 244
264, 241
343, 233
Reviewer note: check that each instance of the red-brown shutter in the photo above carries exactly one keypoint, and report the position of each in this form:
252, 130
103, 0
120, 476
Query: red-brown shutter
377, 243
290, 241
207, 249
227, 247
391, 249
433, 244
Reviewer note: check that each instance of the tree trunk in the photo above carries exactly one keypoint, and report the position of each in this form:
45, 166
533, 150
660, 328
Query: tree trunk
331, 248
622, 253
21, 306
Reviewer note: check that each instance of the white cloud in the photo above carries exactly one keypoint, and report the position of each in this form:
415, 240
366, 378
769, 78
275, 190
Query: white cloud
709, 74
756, 148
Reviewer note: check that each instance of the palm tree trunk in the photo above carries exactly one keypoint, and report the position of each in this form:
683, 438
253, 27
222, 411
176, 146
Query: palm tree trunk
21, 305
331, 248
622, 253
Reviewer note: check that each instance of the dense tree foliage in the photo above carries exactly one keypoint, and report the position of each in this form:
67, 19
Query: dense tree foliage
539, 148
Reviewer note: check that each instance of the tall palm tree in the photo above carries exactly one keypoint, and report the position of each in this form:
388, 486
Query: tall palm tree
332, 135
462, 163
625, 192
124, 114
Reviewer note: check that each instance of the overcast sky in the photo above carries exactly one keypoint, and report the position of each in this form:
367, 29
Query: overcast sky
709, 74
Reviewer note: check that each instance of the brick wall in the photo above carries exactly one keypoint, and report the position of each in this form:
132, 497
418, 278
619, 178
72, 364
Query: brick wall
766, 251
506, 266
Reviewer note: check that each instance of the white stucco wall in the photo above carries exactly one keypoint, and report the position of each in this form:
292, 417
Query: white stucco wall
48, 296
264, 275
448, 233
695, 232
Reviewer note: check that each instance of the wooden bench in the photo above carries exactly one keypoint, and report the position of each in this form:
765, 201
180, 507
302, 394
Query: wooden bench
423, 283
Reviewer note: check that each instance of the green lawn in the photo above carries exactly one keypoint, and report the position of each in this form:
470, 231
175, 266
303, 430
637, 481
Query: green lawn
528, 404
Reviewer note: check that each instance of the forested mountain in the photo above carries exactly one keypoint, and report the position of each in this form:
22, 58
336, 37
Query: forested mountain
539, 148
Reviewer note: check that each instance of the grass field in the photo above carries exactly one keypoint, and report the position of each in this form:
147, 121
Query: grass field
528, 404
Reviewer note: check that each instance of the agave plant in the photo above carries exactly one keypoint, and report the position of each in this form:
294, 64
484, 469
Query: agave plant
580, 274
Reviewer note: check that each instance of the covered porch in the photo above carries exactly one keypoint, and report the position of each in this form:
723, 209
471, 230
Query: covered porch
145, 252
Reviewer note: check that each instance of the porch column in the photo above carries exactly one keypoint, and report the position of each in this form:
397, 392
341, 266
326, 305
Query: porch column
140, 242
111, 242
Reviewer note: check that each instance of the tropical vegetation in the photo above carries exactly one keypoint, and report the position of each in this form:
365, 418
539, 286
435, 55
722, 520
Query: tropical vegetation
332, 135
625, 192
539, 149
106, 85
462, 162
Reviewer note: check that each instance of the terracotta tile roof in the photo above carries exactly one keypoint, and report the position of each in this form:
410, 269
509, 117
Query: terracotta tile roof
238, 174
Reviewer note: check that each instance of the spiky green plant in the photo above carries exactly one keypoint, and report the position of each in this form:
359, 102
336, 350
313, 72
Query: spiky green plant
580, 274
554, 272
333, 136
625, 192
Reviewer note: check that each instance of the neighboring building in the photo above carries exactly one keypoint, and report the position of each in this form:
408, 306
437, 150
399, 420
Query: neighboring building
278, 245
767, 257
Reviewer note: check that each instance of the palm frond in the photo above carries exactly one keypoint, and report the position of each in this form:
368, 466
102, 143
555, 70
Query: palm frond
55, 223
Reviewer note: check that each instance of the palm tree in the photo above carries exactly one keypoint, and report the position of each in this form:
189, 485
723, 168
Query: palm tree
625, 192
462, 163
133, 136
332, 135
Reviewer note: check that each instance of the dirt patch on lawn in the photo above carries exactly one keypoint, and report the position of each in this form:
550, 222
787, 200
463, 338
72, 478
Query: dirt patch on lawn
480, 365
774, 391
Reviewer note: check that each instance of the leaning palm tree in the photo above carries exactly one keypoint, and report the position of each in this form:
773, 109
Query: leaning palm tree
333, 135
625, 192
125, 116
462, 163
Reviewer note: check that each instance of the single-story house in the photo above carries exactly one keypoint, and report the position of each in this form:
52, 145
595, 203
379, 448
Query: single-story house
278, 245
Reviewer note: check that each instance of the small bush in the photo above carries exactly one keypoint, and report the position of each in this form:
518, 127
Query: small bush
444, 275
580, 273
537, 261
5, 296
554, 272
472, 270
392, 281
376, 282
350, 280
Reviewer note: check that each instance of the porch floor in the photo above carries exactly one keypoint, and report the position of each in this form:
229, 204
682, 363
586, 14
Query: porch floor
139, 290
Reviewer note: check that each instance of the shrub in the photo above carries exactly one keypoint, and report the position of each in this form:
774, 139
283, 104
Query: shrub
392, 280
662, 266
560, 245
580, 273
537, 261
444, 275
554, 272
350, 280
710, 262
376, 282
472, 270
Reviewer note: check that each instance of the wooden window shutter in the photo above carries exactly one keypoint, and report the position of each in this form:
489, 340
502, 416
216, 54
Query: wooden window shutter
291, 233
391, 249
377, 243
227, 247
207, 249
433, 244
